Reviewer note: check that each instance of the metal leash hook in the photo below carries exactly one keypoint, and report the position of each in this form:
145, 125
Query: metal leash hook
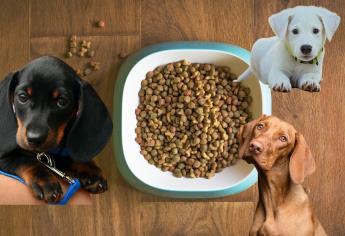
49, 162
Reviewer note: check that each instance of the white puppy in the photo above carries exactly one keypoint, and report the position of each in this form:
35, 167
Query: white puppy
293, 58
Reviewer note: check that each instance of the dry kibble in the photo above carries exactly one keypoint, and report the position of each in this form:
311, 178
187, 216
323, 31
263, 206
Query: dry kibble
83, 43
100, 24
122, 55
87, 71
84, 49
82, 52
188, 118
94, 65
69, 54
78, 72
73, 44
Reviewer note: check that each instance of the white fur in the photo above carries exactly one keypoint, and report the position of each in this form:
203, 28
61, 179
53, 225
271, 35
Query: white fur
271, 62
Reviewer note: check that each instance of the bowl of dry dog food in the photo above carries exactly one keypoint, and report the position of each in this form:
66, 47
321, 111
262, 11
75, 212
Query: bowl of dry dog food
176, 115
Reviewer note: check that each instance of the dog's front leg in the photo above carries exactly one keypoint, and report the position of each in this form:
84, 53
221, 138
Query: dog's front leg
278, 81
90, 176
42, 182
310, 82
259, 218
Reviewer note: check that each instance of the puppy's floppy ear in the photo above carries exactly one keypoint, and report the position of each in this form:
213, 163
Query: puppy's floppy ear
245, 133
302, 162
8, 123
92, 127
279, 22
329, 20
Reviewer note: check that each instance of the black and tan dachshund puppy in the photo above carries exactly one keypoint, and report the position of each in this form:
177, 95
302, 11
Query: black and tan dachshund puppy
46, 107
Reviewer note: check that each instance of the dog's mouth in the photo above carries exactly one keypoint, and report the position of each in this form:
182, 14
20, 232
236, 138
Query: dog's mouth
46, 146
306, 58
38, 149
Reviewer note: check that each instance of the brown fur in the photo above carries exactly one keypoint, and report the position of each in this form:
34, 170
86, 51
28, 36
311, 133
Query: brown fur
52, 139
29, 91
44, 185
21, 134
283, 207
56, 94
60, 133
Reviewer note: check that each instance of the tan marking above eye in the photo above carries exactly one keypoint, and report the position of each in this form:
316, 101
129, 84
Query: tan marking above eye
56, 94
29, 91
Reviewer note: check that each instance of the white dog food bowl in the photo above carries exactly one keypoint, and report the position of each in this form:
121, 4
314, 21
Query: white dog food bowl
133, 167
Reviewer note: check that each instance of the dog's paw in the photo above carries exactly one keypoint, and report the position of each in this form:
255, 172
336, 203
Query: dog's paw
310, 82
282, 86
93, 183
310, 86
48, 190
90, 177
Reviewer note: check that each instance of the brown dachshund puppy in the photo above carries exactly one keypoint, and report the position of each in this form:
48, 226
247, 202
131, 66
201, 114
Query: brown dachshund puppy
282, 159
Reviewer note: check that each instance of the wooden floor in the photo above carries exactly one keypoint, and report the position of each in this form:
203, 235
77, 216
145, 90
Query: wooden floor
30, 28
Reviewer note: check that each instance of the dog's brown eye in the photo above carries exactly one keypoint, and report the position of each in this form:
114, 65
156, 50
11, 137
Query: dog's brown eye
295, 31
62, 102
315, 31
23, 97
260, 126
283, 138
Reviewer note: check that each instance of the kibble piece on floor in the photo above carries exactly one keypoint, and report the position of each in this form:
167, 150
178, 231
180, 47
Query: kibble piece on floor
88, 44
69, 55
73, 44
100, 24
122, 55
188, 118
95, 65
78, 72
87, 71
82, 52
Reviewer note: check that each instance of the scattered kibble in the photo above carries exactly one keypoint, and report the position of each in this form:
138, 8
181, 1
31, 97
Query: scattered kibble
83, 49
122, 55
69, 54
95, 65
73, 45
78, 72
87, 71
100, 24
188, 117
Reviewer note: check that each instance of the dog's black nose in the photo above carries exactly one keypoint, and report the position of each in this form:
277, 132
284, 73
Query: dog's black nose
256, 147
306, 49
35, 138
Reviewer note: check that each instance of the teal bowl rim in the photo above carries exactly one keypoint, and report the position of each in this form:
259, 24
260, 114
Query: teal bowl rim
122, 166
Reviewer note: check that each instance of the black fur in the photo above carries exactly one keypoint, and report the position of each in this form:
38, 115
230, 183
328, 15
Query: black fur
88, 124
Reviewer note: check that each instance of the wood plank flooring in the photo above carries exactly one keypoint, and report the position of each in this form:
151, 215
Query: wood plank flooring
31, 28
